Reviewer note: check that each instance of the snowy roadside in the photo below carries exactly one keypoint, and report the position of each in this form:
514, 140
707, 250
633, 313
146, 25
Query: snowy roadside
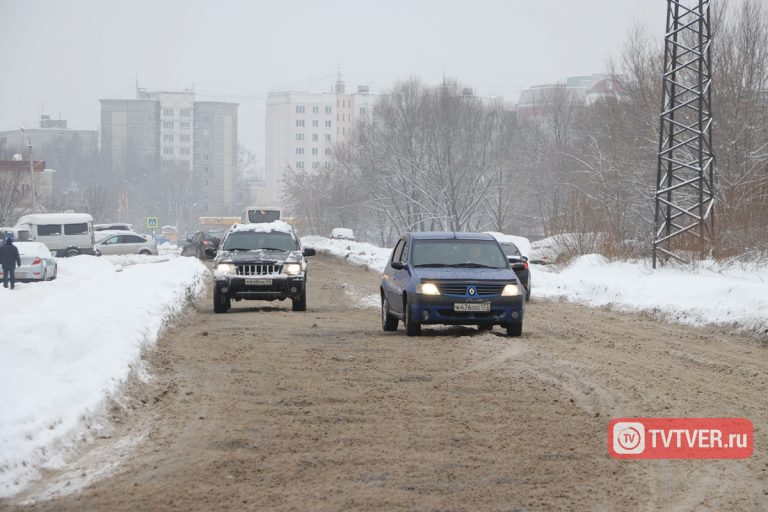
713, 294
68, 345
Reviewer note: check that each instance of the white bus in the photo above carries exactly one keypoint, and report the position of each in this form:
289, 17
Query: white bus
65, 234
260, 214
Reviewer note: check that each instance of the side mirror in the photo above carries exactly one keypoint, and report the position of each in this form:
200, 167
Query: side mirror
398, 265
308, 251
210, 252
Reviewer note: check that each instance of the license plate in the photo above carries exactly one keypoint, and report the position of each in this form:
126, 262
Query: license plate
258, 282
472, 306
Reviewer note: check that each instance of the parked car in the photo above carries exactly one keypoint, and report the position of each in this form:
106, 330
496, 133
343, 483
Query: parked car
519, 264
126, 242
450, 278
260, 262
342, 234
203, 244
65, 234
37, 262
115, 226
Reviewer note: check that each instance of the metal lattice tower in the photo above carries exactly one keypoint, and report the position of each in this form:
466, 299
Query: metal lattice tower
684, 218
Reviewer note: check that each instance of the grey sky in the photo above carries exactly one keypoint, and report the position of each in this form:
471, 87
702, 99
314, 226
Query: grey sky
62, 56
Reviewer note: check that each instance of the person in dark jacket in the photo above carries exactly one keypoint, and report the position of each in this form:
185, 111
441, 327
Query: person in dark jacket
10, 259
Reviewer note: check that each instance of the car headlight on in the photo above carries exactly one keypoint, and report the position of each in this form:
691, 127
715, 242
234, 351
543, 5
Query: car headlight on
427, 289
292, 269
510, 290
225, 268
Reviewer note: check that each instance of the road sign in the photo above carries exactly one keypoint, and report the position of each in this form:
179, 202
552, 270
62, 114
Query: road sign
151, 222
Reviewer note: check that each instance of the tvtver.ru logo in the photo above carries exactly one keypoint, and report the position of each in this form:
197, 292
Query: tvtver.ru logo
628, 437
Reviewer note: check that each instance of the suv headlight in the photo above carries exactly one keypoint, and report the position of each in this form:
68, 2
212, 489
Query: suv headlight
225, 268
427, 289
292, 269
510, 290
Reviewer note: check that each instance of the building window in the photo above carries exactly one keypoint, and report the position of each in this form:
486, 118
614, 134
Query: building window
168, 138
314, 151
327, 137
168, 125
327, 124
327, 165
185, 112
300, 123
362, 111
206, 182
205, 170
315, 109
168, 112
315, 165
299, 109
327, 110
168, 151
299, 151
299, 165
327, 151
315, 137
185, 151
205, 157
315, 123
185, 125
299, 136
185, 137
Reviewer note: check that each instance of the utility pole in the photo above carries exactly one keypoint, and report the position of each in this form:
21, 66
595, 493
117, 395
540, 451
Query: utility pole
685, 198
32, 177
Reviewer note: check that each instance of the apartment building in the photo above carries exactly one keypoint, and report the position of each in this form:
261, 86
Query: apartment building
302, 129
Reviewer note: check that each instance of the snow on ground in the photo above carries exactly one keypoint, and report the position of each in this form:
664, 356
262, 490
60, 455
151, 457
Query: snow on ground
358, 253
735, 296
68, 345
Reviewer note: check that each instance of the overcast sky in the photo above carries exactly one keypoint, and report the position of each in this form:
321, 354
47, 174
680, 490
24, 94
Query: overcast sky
61, 57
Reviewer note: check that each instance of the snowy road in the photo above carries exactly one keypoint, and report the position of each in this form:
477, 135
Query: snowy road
264, 408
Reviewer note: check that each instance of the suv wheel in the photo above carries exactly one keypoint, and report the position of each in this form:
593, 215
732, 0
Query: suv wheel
72, 252
388, 322
515, 329
221, 302
300, 304
412, 327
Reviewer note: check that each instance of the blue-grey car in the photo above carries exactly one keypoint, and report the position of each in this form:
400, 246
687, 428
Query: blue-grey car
450, 278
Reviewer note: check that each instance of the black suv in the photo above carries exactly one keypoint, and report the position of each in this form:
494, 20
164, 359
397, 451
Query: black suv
260, 262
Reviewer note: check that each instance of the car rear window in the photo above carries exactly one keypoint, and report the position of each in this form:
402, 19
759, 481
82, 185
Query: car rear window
458, 253
510, 250
76, 229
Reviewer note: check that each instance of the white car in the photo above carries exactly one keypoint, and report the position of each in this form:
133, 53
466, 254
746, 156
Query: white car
126, 242
342, 234
37, 262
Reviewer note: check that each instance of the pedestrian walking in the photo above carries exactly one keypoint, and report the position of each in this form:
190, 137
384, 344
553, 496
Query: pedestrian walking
10, 259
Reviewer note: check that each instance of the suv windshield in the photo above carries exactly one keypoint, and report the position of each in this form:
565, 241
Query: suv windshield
458, 253
253, 240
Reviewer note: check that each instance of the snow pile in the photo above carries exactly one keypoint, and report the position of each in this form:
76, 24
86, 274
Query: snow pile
263, 227
69, 344
522, 243
711, 294
358, 253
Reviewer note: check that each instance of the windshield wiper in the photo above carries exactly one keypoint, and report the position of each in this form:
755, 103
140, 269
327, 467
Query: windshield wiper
472, 265
272, 249
432, 265
237, 249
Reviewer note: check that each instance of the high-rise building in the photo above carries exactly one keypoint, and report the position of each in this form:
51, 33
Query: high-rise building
167, 140
302, 129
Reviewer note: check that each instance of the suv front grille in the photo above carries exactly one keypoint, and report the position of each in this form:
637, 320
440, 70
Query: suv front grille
258, 269
483, 290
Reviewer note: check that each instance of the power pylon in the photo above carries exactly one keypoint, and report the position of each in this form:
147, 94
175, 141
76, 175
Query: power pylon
684, 216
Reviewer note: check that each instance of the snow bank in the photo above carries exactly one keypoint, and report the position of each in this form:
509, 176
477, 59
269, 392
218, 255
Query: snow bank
358, 253
712, 294
67, 345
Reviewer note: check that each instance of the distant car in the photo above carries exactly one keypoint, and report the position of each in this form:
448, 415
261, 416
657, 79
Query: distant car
342, 234
126, 242
203, 244
519, 264
37, 262
450, 278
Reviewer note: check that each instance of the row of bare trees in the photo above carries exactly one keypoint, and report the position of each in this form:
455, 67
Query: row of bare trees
433, 158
